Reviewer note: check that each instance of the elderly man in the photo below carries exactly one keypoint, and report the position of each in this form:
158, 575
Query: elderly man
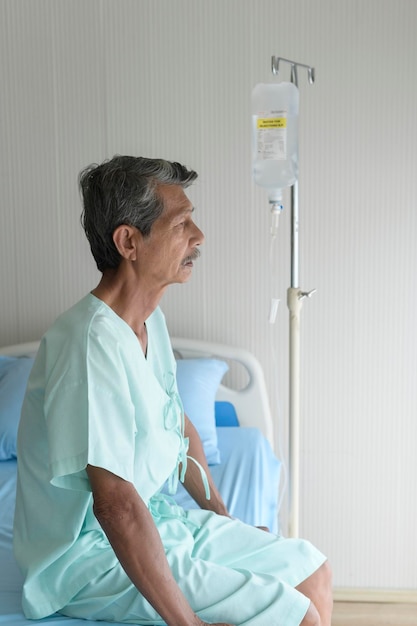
103, 429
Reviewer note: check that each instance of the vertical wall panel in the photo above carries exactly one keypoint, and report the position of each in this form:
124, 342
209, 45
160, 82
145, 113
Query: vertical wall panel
80, 133
83, 81
8, 283
29, 166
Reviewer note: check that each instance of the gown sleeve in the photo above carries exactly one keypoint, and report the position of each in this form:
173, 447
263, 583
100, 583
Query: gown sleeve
89, 413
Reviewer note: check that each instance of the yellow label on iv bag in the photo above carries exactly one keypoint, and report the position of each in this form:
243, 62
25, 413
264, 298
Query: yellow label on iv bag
271, 136
271, 122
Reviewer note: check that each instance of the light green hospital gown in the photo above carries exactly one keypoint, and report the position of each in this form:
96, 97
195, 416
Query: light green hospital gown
93, 398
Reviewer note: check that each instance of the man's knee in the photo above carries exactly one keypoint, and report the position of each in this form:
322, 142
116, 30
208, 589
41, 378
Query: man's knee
312, 617
320, 582
327, 572
318, 588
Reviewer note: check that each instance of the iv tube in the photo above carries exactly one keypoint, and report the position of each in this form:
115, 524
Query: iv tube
276, 209
275, 213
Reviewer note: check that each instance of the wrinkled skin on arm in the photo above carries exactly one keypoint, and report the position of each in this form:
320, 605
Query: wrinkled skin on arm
124, 518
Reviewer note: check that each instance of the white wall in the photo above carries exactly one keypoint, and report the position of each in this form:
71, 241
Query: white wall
81, 81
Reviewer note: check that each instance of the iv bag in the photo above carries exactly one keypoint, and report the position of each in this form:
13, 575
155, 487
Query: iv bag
275, 137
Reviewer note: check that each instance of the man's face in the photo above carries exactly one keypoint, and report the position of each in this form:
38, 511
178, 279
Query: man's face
167, 254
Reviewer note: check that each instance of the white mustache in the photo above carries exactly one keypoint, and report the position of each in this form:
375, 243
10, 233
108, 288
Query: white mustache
192, 257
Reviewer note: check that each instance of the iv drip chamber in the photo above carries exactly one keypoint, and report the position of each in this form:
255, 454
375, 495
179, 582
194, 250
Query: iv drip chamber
275, 137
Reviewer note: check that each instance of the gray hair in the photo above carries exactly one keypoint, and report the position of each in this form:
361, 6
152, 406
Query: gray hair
124, 190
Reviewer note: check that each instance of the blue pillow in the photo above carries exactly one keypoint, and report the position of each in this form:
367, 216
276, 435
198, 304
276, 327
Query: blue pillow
198, 381
225, 414
14, 374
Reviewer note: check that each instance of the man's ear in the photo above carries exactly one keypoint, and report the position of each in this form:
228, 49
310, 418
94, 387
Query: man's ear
126, 241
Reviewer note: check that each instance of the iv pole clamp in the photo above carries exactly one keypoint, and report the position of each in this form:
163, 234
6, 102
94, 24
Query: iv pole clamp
295, 296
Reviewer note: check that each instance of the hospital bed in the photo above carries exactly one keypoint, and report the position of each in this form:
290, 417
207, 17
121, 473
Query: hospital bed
224, 394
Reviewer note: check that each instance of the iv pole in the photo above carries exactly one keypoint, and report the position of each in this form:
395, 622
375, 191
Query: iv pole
295, 298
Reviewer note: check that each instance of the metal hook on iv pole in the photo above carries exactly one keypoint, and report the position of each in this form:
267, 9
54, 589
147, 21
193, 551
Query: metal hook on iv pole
294, 301
275, 61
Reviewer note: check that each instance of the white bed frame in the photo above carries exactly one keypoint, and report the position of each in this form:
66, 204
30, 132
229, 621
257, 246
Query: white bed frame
251, 402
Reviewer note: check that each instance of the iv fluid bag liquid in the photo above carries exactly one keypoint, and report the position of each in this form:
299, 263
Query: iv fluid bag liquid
275, 137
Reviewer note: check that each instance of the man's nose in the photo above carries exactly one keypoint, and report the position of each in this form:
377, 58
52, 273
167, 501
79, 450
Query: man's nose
199, 235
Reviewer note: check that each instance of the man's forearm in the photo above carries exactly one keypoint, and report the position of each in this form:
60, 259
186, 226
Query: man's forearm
193, 481
135, 540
